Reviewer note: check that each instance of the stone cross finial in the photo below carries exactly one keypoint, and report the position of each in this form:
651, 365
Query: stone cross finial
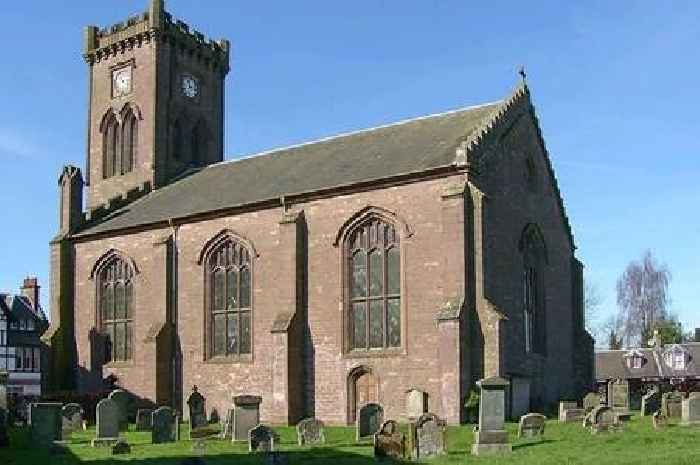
521, 72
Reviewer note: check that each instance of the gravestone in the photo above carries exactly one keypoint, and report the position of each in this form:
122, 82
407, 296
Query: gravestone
214, 417
245, 416
107, 419
389, 441
659, 420
428, 436
569, 412
690, 410
619, 396
198, 411
46, 423
604, 419
416, 403
311, 431
369, 418
591, 401
651, 402
144, 419
262, 439
227, 428
71, 419
490, 436
121, 447
4, 410
123, 400
531, 425
671, 404
166, 426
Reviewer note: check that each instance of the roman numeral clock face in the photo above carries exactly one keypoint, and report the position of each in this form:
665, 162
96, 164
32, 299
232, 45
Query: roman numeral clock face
189, 86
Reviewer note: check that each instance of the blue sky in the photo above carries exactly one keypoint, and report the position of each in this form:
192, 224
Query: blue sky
615, 85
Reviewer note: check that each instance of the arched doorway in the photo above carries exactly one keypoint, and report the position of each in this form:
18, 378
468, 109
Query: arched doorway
363, 388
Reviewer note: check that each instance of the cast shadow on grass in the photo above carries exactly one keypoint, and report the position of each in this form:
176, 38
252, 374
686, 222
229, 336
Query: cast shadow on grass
532, 443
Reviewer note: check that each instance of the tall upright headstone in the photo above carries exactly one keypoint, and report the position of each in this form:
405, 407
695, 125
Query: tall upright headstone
196, 404
166, 426
671, 404
246, 415
651, 402
46, 423
369, 418
619, 394
123, 400
428, 437
690, 410
4, 411
416, 403
491, 436
71, 418
311, 431
107, 418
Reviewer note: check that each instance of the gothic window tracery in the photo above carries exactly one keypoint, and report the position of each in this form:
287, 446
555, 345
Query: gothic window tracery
534, 261
116, 305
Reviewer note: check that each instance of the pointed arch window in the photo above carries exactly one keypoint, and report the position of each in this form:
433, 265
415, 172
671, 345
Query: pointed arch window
230, 300
130, 133
534, 261
116, 306
110, 145
374, 286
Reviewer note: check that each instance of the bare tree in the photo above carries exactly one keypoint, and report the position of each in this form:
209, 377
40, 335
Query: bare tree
642, 298
611, 331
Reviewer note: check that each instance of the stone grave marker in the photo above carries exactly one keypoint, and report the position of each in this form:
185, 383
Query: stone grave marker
369, 418
46, 423
389, 441
491, 436
659, 420
416, 403
428, 437
123, 400
651, 402
121, 447
71, 419
690, 410
569, 412
107, 419
214, 416
262, 439
671, 404
531, 425
591, 401
4, 410
197, 409
144, 419
311, 431
245, 416
604, 419
619, 397
166, 426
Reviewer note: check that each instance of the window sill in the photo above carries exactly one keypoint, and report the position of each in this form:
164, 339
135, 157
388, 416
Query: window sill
230, 359
120, 364
377, 353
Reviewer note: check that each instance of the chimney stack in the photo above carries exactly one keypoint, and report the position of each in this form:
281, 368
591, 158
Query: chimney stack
30, 289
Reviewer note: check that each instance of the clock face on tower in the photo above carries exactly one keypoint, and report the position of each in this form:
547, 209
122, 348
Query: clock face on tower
121, 81
189, 86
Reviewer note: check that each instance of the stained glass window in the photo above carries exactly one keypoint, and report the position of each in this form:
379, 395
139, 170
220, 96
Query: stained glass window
116, 302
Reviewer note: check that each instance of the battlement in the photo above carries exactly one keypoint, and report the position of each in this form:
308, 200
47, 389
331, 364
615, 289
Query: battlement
117, 202
153, 25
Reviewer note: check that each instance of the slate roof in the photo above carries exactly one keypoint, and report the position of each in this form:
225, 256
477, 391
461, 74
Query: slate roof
406, 147
18, 307
611, 364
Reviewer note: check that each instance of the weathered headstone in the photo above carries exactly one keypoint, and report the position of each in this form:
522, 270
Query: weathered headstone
570, 412
651, 402
369, 418
619, 394
389, 441
214, 417
310, 431
262, 439
4, 410
107, 428
491, 436
591, 401
671, 404
123, 400
659, 420
531, 425
46, 423
71, 419
245, 416
144, 419
198, 410
416, 403
604, 419
690, 410
428, 436
121, 447
166, 427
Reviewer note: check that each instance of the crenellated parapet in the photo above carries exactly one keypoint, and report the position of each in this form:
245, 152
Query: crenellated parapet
150, 27
115, 203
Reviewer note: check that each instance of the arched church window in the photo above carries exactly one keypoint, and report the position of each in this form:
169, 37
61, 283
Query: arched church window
116, 306
534, 260
130, 132
110, 141
374, 286
230, 299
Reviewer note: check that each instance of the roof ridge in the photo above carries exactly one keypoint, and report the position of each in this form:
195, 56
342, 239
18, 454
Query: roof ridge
353, 133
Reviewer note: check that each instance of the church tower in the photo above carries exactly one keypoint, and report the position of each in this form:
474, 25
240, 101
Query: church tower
156, 103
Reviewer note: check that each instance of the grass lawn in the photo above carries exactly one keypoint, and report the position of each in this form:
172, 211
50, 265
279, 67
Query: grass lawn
562, 444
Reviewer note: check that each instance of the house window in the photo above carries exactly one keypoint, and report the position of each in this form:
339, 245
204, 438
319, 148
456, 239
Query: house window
115, 297
230, 299
678, 361
374, 286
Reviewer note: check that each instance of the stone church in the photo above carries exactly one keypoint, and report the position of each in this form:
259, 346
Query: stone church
424, 254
